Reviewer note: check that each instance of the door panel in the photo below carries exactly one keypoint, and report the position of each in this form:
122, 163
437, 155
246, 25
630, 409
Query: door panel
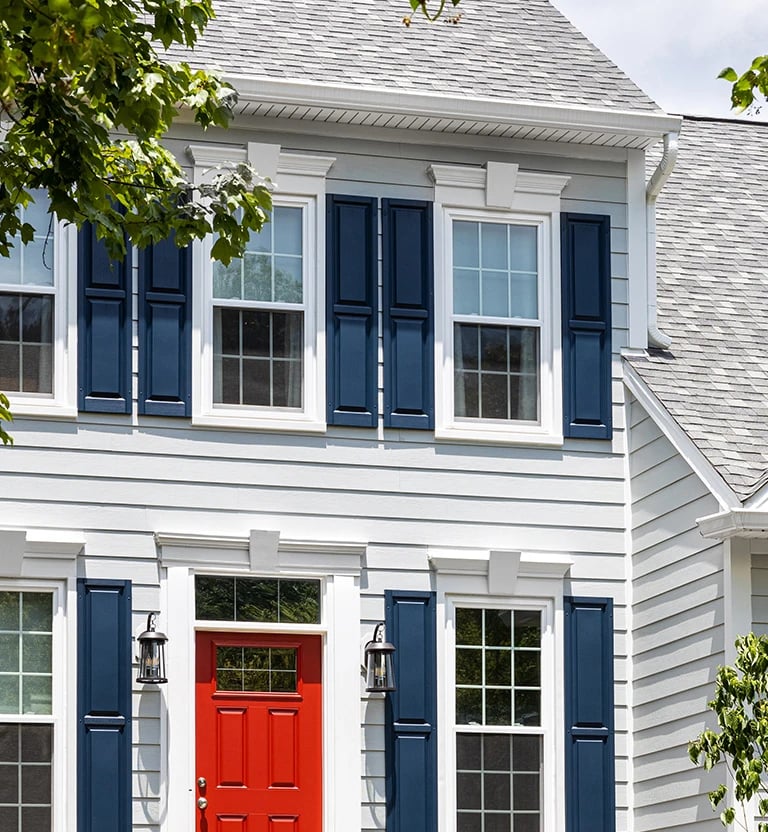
259, 732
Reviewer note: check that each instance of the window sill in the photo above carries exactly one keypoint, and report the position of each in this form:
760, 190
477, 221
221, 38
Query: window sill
284, 423
41, 408
498, 435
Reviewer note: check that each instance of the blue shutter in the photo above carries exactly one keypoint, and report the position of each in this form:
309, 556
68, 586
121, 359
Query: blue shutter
104, 327
411, 713
408, 314
165, 330
351, 297
589, 743
103, 706
586, 276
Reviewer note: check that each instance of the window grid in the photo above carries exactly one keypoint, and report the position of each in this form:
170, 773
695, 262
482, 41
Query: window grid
505, 394
27, 296
256, 669
264, 600
498, 747
264, 289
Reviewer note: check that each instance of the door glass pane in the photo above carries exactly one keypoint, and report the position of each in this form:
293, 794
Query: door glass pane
256, 669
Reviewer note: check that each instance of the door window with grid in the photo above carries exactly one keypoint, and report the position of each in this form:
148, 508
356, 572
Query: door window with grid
27, 299
26, 700
259, 313
496, 323
498, 720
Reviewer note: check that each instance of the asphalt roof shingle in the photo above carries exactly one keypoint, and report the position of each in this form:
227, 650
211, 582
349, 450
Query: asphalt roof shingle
521, 50
712, 261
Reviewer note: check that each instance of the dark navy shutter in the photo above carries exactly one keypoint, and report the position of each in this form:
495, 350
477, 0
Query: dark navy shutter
165, 329
408, 314
411, 713
586, 276
104, 327
351, 297
103, 706
589, 742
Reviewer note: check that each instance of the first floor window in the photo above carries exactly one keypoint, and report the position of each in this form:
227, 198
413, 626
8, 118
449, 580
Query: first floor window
27, 299
259, 315
26, 700
498, 720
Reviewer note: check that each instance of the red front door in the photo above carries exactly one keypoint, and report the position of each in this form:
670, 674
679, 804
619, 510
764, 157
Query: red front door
259, 733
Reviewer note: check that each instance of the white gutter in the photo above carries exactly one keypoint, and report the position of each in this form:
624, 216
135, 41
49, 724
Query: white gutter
734, 523
429, 105
656, 338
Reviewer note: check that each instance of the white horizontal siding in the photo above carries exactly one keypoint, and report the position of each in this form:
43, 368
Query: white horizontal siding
677, 640
123, 478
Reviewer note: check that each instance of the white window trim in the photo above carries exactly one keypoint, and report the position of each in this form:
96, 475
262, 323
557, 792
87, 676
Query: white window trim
62, 403
45, 560
499, 193
502, 580
338, 566
301, 182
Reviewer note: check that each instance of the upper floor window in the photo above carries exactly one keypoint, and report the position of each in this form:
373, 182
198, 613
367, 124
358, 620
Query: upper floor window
27, 306
259, 315
496, 324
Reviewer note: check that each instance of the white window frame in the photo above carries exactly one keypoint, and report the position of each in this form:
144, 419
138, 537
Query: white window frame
502, 194
301, 182
493, 579
61, 403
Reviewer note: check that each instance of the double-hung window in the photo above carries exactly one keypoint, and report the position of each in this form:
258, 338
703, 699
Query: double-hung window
497, 301
498, 720
36, 368
259, 318
27, 307
27, 711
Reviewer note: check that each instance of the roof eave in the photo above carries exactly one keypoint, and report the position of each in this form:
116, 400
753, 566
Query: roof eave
446, 113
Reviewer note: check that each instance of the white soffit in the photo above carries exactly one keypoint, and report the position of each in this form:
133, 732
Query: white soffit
374, 107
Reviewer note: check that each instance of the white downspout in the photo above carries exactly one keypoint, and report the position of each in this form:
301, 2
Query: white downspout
656, 338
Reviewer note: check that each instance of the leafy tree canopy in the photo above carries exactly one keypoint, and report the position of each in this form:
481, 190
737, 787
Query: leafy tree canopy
741, 741
749, 85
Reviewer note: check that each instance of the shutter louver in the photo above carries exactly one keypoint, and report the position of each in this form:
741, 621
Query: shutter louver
586, 278
407, 252
351, 278
165, 330
104, 706
411, 713
589, 750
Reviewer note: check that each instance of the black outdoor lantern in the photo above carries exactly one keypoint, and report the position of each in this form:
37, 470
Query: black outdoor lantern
379, 671
152, 654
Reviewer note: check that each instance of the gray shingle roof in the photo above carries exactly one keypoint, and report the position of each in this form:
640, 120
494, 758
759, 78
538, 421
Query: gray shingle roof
712, 251
522, 50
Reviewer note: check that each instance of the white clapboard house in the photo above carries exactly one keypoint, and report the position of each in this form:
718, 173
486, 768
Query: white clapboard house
406, 405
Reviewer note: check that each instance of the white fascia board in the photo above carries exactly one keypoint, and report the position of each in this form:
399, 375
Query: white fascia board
683, 443
734, 523
431, 105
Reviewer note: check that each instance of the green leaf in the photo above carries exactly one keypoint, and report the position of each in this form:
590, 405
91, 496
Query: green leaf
729, 74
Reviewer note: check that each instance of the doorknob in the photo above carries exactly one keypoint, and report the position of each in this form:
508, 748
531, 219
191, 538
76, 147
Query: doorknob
202, 803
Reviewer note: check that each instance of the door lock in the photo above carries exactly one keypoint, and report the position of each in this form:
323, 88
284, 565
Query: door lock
201, 784
202, 803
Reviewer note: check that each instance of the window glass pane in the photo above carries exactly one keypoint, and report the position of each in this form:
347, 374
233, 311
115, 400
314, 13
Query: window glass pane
26, 324
468, 751
287, 222
469, 626
25, 777
498, 707
469, 822
288, 279
227, 280
469, 667
257, 277
493, 242
37, 612
468, 790
268, 600
498, 667
495, 295
497, 791
522, 247
469, 706
466, 291
527, 628
9, 653
256, 669
37, 262
498, 627
524, 294
527, 707
466, 244
9, 694
527, 669
10, 267
36, 694
262, 241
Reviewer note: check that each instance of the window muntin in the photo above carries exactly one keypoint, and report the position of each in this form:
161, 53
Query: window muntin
27, 299
263, 600
26, 738
496, 321
259, 316
498, 720
256, 669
